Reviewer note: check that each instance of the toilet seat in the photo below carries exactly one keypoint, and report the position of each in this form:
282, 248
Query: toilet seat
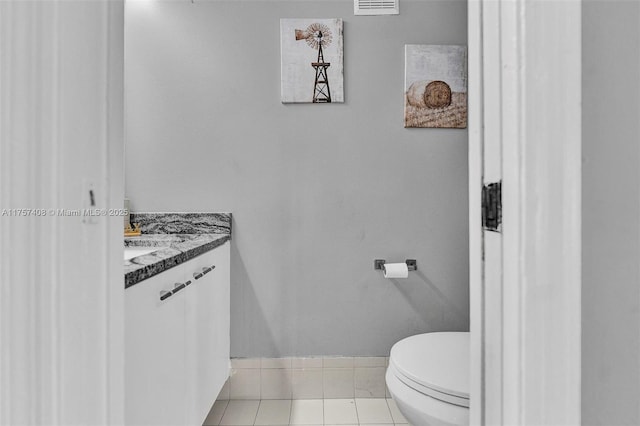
434, 364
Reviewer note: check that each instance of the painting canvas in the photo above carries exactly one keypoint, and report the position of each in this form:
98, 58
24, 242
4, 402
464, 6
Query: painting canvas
435, 86
312, 64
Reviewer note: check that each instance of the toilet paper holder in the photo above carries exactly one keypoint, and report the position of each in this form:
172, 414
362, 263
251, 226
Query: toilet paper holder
411, 264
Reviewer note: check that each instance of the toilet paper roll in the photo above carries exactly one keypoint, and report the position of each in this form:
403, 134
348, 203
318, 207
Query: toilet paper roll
396, 270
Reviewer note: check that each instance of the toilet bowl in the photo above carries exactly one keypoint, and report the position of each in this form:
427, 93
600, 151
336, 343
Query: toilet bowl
428, 377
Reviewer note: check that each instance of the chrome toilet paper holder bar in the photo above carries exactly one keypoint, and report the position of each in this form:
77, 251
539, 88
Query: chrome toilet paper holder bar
412, 265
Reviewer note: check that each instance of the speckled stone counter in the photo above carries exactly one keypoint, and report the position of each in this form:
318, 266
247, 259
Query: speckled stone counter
182, 237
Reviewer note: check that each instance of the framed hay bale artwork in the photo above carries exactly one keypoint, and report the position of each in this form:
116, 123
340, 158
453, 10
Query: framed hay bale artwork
435, 86
312, 63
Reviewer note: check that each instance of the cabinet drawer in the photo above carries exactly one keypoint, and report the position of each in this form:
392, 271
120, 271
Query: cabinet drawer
207, 320
154, 352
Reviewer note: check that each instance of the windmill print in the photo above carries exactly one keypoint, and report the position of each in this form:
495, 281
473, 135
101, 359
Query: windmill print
318, 36
312, 62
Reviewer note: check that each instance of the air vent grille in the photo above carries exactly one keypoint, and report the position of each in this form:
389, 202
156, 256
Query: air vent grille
376, 7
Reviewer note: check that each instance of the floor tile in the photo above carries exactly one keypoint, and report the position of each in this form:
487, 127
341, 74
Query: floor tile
369, 382
307, 412
307, 383
273, 412
240, 413
340, 411
275, 383
373, 410
338, 382
397, 416
244, 383
215, 415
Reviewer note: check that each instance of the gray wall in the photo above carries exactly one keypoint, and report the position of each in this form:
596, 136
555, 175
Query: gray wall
317, 191
611, 213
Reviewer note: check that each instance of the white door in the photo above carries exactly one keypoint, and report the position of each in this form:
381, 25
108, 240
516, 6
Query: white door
61, 273
525, 115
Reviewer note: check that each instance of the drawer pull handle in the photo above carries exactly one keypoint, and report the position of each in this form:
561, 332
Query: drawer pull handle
178, 287
165, 294
197, 275
187, 282
206, 271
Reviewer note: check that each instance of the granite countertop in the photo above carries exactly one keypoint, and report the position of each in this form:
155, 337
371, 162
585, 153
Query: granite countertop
182, 237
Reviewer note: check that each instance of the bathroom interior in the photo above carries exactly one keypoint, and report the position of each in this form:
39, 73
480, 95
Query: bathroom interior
316, 193
254, 294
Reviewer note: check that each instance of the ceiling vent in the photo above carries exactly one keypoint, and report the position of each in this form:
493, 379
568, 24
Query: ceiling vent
376, 7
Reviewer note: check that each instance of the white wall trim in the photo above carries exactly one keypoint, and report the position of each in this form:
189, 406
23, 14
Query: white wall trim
114, 155
476, 292
311, 377
537, 59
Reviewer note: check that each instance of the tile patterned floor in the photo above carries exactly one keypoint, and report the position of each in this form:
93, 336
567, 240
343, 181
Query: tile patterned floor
281, 412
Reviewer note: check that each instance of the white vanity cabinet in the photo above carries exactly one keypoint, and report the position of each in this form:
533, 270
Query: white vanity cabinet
177, 349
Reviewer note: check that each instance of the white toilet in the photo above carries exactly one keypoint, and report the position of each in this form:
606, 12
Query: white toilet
428, 377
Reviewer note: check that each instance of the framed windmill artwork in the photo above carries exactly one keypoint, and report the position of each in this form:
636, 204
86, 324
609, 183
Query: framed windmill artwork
312, 63
435, 86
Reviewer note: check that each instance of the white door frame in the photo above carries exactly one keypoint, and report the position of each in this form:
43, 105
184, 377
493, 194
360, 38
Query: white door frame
537, 57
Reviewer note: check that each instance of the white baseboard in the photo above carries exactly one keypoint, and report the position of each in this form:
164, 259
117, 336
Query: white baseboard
306, 378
